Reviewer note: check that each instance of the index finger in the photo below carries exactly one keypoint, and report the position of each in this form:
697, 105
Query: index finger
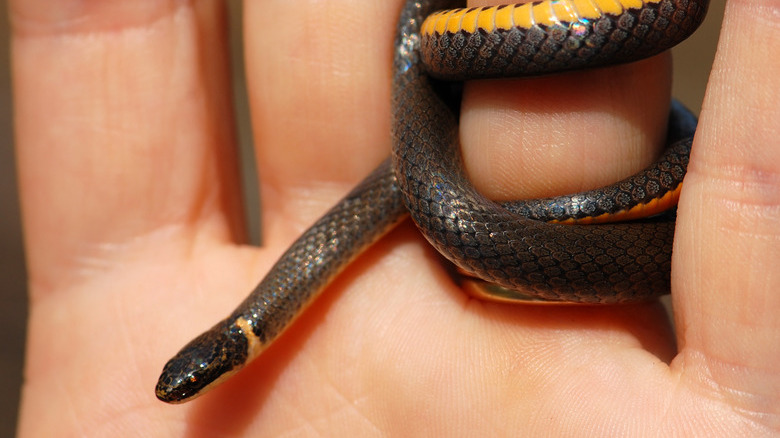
565, 133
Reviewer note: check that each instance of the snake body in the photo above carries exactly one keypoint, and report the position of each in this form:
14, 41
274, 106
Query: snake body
503, 244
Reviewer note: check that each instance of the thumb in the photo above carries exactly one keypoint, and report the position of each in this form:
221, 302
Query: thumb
725, 268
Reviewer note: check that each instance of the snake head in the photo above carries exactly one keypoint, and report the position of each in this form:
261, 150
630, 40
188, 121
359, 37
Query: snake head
203, 363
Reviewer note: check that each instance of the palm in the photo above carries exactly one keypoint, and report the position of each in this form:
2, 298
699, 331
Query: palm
149, 258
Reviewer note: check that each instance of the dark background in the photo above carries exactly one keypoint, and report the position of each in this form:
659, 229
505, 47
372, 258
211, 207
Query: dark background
692, 63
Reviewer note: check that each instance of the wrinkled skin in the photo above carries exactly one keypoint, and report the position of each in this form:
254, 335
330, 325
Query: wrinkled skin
133, 231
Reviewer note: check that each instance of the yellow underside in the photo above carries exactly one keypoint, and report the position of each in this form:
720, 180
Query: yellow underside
655, 206
548, 13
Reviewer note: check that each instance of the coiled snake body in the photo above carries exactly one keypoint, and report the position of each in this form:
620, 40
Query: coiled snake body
504, 244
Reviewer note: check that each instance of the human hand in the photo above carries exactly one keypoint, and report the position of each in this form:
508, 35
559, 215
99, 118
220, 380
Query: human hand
133, 231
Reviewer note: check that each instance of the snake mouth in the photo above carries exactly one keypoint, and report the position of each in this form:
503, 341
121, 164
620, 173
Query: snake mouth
202, 364
424, 178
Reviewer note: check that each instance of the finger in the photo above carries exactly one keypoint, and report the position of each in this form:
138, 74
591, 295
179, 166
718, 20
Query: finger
725, 272
319, 86
123, 129
564, 133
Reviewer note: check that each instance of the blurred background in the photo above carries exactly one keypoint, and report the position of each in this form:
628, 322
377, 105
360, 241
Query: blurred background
692, 64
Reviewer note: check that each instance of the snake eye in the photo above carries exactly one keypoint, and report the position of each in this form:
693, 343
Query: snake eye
201, 364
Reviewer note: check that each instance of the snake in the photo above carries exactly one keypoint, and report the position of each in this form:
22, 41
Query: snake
526, 246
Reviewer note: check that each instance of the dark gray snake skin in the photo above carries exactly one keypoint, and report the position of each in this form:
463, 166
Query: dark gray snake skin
597, 264
592, 264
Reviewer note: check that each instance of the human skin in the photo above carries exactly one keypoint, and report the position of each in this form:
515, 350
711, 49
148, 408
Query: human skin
135, 238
